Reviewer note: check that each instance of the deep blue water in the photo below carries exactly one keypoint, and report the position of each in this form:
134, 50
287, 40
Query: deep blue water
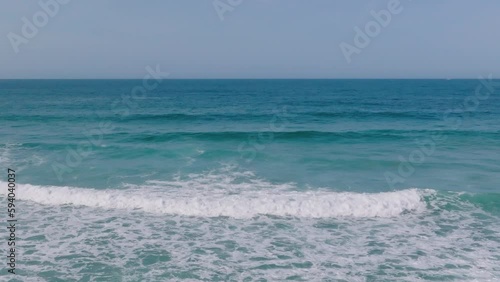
241, 180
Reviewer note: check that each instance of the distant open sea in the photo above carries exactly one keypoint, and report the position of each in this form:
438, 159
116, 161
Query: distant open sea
253, 180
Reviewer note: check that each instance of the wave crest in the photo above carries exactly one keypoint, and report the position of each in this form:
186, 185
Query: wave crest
245, 204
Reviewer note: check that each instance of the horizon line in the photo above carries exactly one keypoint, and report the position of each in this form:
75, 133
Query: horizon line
247, 78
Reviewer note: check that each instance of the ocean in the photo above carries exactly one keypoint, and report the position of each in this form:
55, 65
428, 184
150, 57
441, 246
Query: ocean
252, 180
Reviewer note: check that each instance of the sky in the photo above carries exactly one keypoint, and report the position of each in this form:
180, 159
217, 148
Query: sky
250, 38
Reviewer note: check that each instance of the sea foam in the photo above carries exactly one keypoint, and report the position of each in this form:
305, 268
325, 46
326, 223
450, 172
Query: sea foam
212, 202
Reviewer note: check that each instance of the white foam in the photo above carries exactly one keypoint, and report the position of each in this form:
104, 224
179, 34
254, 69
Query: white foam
213, 202
439, 245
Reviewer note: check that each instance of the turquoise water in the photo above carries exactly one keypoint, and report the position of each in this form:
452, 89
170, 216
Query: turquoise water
254, 180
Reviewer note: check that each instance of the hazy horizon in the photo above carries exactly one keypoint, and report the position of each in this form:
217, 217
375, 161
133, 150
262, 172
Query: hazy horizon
245, 78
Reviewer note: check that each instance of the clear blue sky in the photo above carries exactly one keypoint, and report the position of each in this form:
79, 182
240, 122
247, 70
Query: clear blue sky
258, 39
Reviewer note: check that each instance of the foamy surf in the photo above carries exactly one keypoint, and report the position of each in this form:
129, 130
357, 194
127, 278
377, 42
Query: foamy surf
246, 204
